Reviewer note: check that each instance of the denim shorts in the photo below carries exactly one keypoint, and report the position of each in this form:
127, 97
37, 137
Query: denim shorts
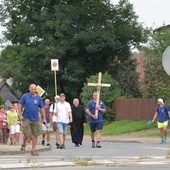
62, 127
96, 126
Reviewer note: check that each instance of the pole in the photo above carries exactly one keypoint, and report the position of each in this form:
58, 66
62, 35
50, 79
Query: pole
55, 80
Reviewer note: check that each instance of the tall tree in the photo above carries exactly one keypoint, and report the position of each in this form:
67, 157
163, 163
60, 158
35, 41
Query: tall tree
157, 82
86, 37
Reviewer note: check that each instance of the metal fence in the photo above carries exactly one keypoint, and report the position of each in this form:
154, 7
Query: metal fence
134, 109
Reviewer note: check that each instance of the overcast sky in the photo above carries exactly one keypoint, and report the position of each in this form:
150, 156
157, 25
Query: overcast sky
152, 13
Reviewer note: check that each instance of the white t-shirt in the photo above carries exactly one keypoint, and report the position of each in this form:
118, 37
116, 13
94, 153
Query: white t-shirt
63, 112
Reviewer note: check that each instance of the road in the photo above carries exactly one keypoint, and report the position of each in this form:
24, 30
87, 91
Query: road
117, 155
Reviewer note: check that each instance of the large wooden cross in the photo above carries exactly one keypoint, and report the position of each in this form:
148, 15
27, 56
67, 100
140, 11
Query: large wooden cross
98, 85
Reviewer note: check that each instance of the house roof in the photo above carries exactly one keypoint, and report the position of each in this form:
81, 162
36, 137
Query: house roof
5, 92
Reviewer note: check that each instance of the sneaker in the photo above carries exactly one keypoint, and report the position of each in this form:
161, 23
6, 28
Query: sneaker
48, 144
162, 141
57, 145
93, 144
165, 140
43, 142
98, 145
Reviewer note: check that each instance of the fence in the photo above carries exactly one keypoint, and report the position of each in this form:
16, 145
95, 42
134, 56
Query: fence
134, 109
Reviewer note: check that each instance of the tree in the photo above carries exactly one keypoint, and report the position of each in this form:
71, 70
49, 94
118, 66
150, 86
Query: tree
107, 94
157, 82
86, 37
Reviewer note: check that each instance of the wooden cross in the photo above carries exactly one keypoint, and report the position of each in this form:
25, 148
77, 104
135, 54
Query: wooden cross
98, 85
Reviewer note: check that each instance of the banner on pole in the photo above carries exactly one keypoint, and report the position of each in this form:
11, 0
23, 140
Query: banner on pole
54, 65
40, 90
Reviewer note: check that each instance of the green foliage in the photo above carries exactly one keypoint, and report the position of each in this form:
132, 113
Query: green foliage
107, 94
121, 127
86, 36
157, 82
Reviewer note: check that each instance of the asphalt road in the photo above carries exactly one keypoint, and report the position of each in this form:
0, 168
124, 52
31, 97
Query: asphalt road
112, 155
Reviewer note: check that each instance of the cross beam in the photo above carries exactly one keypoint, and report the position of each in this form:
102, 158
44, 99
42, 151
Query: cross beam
98, 85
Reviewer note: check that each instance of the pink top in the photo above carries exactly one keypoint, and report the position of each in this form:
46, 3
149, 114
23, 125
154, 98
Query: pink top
3, 120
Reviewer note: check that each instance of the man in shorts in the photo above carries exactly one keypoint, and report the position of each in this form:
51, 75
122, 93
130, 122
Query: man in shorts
29, 106
162, 115
96, 123
64, 115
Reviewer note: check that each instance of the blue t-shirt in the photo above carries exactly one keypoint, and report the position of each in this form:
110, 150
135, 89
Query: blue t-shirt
31, 106
91, 106
162, 114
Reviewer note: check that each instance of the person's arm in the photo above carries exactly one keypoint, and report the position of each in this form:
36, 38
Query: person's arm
20, 107
70, 117
155, 117
90, 114
42, 110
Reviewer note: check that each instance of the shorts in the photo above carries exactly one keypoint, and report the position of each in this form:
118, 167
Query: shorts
161, 125
46, 127
31, 128
14, 129
62, 127
96, 126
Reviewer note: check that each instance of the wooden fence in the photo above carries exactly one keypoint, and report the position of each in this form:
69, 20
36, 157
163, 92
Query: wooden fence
134, 109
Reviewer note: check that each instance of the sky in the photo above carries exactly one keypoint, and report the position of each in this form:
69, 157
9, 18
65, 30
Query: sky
152, 13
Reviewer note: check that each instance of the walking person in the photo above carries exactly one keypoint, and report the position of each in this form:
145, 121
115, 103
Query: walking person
4, 131
96, 123
53, 110
13, 125
46, 128
32, 104
79, 121
162, 115
64, 118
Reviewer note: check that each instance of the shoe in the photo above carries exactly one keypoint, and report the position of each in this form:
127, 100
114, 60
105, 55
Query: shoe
165, 140
76, 145
98, 145
48, 144
43, 142
57, 145
93, 144
162, 141
62, 146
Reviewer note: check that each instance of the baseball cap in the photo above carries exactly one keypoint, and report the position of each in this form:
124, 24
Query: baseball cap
160, 100
57, 97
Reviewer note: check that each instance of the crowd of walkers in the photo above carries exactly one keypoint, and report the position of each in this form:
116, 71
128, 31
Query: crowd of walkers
33, 117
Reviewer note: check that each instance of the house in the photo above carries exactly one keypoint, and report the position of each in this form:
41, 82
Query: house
6, 94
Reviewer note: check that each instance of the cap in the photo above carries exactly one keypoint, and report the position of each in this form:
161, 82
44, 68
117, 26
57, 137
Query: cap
160, 100
57, 97
62, 94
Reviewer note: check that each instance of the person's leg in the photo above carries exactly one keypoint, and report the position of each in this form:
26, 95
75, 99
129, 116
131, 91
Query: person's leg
165, 127
65, 126
43, 128
61, 132
36, 131
93, 129
98, 136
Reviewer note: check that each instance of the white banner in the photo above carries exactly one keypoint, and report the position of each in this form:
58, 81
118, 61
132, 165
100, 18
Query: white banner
54, 65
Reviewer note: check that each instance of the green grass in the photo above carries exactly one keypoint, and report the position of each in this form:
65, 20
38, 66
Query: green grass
121, 127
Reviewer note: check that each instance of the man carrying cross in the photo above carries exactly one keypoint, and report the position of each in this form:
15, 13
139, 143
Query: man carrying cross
96, 123
95, 110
